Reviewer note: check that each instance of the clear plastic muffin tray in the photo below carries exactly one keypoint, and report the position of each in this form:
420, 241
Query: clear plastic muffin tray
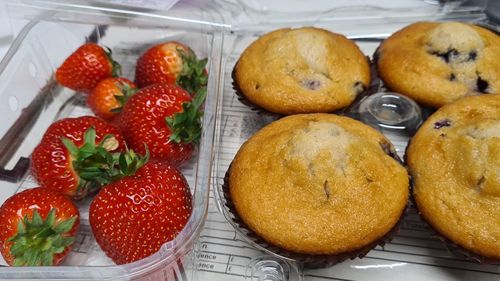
211, 247
416, 253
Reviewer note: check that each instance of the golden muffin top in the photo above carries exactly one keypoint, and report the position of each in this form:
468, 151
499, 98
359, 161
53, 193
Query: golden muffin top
437, 63
454, 160
302, 70
318, 184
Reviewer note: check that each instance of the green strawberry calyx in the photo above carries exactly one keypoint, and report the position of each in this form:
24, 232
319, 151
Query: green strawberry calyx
96, 164
192, 76
127, 92
37, 240
116, 67
185, 126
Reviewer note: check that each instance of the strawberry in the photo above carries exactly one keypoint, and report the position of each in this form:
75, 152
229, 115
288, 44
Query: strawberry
38, 227
109, 96
133, 217
171, 62
79, 155
164, 118
88, 65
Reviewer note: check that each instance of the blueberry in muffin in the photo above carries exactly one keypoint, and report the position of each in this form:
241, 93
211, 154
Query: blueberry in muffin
438, 63
454, 161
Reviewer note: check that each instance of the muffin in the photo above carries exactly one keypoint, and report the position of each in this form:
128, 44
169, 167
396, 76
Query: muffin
304, 70
318, 185
454, 161
438, 63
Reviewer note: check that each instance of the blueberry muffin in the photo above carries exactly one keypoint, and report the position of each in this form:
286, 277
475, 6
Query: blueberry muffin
437, 63
318, 184
454, 161
302, 70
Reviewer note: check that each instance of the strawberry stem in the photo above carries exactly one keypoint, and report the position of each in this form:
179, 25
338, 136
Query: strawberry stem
192, 75
37, 240
186, 125
127, 93
97, 166
116, 67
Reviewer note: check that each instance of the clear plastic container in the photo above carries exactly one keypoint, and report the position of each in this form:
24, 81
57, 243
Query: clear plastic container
32, 100
212, 246
416, 253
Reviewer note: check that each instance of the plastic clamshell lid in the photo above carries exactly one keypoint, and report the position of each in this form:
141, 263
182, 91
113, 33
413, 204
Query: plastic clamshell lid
241, 16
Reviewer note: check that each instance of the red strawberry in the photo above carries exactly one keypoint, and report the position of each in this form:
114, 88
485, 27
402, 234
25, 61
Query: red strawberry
38, 227
73, 128
133, 217
74, 156
171, 62
84, 68
109, 96
165, 119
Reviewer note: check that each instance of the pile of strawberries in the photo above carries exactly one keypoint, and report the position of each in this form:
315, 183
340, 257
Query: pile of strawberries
128, 155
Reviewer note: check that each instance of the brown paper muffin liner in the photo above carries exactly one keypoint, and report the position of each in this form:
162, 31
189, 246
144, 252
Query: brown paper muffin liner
242, 98
460, 251
245, 101
451, 246
306, 260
